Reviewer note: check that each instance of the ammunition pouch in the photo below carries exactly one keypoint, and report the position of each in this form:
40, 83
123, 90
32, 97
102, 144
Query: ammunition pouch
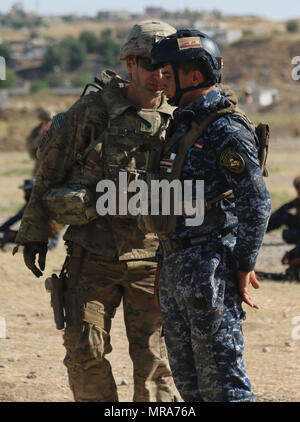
70, 204
93, 313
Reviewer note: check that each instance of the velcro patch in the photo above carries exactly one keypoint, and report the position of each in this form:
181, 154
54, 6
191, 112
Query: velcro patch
166, 162
233, 161
199, 144
58, 121
190, 42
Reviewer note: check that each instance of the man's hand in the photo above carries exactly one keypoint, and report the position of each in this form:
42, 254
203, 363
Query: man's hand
291, 262
29, 254
244, 280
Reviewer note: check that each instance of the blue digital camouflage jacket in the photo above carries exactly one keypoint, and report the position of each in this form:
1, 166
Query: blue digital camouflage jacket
226, 158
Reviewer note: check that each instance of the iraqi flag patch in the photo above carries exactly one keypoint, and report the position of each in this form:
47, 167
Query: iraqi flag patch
166, 163
199, 144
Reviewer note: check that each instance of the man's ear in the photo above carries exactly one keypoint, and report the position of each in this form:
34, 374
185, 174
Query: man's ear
197, 77
129, 64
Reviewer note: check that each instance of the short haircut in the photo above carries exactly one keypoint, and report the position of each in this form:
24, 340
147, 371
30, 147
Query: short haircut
189, 66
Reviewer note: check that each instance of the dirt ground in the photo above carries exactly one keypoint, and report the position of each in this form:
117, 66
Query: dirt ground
31, 355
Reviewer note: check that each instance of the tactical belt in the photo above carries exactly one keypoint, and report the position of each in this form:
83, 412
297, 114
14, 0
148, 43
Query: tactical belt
169, 246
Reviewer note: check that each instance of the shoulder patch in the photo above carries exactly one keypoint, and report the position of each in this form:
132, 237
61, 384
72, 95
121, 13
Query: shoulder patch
233, 161
58, 121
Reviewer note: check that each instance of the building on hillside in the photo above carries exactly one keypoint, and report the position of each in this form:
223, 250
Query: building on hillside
219, 32
50, 20
155, 12
266, 97
29, 50
254, 97
115, 15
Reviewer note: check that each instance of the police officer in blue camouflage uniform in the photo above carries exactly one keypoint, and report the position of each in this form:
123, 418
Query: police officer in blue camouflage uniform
208, 269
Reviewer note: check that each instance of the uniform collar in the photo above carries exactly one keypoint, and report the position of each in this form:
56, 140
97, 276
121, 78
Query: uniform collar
206, 102
201, 107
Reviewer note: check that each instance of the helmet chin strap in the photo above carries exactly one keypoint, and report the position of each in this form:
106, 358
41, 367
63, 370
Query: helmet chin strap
179, 91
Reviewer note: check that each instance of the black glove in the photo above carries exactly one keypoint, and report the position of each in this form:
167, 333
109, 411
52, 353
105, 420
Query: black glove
29, 254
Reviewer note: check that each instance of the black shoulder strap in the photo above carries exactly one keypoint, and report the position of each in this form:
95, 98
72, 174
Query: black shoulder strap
198, 127
99, 85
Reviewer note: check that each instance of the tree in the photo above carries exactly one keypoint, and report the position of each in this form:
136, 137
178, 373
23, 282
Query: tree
90, 40
80, 80
67, 54
57, 79
109, 48
75, 52
11, 80
37, 86
292, 26
54, 57
5, 50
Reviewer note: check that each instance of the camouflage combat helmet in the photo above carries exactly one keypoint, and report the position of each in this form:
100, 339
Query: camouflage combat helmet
296, 182
143, 36
42, 113
28, 184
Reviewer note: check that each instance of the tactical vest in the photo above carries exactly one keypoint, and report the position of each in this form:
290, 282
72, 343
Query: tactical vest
171, 164
131, 140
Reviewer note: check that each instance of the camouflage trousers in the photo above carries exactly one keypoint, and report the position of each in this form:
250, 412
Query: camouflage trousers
202, 316
103, 283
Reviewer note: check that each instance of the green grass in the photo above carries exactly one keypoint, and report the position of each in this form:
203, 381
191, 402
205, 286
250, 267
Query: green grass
275, 170
19, 171
277, 120
279, 197
10, 208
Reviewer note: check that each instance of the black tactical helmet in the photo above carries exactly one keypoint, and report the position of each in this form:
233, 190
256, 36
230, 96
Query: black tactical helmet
190, 45
28, 184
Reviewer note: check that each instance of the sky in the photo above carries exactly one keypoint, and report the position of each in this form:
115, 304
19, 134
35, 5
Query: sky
287, 9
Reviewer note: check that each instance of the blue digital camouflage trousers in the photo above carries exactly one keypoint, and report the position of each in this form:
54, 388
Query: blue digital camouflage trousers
202, 316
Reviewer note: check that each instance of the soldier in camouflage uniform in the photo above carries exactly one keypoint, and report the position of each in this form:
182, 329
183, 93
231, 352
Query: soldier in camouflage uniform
207, 269
32, 144
33, 140
109, 258
282, 217
9, 235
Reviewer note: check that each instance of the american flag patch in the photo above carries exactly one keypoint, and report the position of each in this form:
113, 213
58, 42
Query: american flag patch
199, 144
58, 121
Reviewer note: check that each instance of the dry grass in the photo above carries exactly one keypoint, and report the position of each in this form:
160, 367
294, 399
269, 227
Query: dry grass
283, 164
17, 122
57, 31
